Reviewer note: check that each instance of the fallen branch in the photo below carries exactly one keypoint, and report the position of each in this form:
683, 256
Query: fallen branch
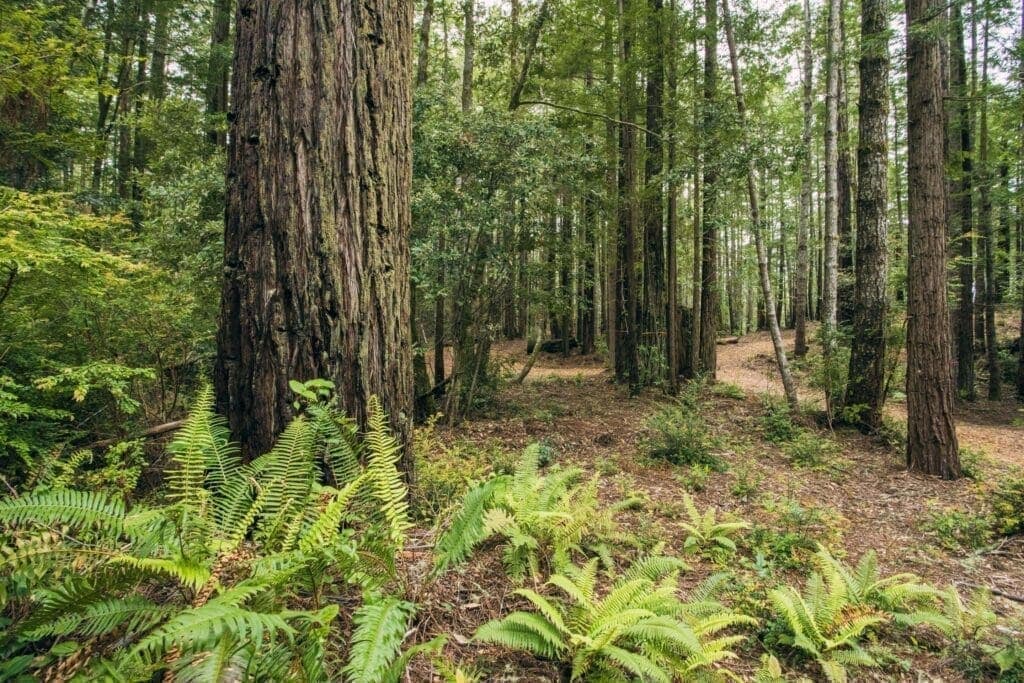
145, 434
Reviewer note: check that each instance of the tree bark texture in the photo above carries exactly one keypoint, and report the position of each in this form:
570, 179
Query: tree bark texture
931, 433
866, 379
316, 254
707, 357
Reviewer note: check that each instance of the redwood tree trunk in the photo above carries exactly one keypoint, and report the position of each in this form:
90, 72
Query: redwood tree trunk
866, 383
707, 357
961, 157
316, 254
931, 433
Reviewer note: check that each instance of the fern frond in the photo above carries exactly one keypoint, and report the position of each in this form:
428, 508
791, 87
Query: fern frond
383, 453
523, 631
380, 629
77, 509
466, 529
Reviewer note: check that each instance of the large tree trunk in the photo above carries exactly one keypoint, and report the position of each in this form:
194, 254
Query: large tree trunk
1020, 225
931, 433
316, 254
755, 221
830, 279
866, 379
218, 70
962, 205
707, 357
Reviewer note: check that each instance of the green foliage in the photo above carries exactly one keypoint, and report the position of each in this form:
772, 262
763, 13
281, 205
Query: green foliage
777, 421
808, 449
706, 533
637, 629
71, 316
959, 530
841, 608
681, 436
540, 518
1007, 504
218, 576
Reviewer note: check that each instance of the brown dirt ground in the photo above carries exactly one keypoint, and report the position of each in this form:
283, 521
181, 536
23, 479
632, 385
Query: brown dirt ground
872, 503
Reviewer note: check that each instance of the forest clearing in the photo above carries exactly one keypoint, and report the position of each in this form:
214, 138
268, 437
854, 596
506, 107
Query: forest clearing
451, 341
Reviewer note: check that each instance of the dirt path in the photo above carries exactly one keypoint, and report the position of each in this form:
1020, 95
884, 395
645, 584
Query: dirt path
995, 428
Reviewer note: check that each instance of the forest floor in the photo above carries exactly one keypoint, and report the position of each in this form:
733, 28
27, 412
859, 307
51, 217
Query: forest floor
863, 499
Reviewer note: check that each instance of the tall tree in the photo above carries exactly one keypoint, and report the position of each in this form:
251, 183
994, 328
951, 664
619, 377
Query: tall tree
672, 323
316, 254
755, 219
961, 151
931, 433
653, 302
707, 358
804, 219
627, 364
988, 237
468, 52
830, 281
217, 72
866, 383
423, 50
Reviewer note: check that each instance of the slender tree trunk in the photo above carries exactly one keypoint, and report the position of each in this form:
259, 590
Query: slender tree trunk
423, 55
653, 302
961, 155
755, 220
931, 433
531, 47
866, 379
218, 71
709, 308
316, 254
627, 367
830, 281
468, 52
674, 336
1020, 217
985, 220
693, 354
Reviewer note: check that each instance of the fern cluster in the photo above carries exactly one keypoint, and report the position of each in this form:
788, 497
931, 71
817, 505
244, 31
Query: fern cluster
541, 518
223, 580
842, 606
707, 533
638, 630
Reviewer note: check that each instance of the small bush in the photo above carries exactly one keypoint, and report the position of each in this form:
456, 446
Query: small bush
777, 422
809, 449
1007, 501
971, 462
681, 437
746, 484
958, 530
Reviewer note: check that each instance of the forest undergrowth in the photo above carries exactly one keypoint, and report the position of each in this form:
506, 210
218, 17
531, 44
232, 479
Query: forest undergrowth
792, 484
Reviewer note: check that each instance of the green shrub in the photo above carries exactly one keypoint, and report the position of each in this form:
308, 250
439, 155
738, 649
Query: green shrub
636, 630
746, 484
1007, 501
777, 421
958, 530
681, 437
809, 449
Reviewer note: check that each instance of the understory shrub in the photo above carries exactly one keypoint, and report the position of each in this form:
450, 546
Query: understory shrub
680, 435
